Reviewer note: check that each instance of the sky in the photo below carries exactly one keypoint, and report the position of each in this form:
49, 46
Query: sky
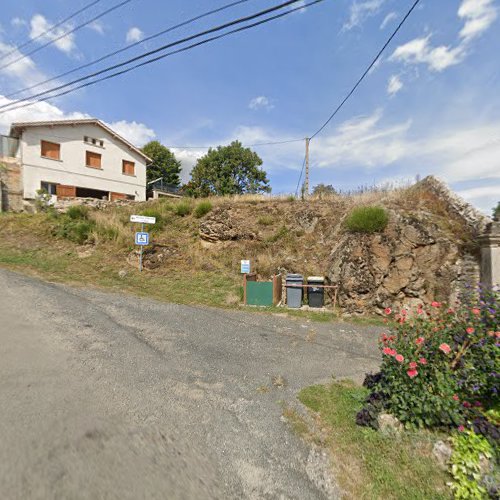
430, 106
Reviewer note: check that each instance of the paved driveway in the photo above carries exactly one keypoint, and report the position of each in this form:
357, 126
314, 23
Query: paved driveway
110, 396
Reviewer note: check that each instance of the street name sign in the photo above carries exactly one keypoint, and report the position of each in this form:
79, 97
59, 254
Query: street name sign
142, 239
142, 219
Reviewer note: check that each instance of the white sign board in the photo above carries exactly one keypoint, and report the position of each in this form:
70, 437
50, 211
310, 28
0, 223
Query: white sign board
142, 219
245, 267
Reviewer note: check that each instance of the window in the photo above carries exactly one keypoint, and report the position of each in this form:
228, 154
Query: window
49, 187
94, 142
51, 150
93, 160
128, 167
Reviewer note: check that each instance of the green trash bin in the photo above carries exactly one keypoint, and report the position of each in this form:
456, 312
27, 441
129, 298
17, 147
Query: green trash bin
294, 294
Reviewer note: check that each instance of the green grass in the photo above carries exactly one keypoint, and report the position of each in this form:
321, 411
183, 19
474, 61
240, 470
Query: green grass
265, 220
367, 220
183, 208
369, 464
202, 209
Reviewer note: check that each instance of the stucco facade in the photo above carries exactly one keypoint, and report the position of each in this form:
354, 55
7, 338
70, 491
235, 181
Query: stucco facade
70, 170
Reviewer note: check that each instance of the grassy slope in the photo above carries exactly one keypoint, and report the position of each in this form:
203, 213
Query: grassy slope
368, 464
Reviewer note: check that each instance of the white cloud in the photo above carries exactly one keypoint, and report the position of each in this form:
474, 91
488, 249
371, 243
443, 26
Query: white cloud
479, 15
387, 19
394, 85
260, 102
136, 133
17, 22
420, 51
39, 25
360, 11
23, 71
97, 26
134, 35
188, 159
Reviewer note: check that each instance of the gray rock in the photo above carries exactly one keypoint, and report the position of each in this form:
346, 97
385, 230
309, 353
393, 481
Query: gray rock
389, 424
442, 452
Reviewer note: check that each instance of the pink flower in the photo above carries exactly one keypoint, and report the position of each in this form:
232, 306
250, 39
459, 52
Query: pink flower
445, 348
420, 311
413, 365
419, 341
461, 428
412, 373
455, 397
422, 361
470, 330
466, 404
393, 352
400, 358
388, 310
387, 351
476, 311
450, 311
435, 304
404, 312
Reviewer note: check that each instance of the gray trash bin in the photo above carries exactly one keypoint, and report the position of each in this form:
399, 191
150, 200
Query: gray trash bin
294, 294
315, 294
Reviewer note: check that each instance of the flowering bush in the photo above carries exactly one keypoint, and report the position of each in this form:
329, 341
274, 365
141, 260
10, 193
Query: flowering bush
440, 366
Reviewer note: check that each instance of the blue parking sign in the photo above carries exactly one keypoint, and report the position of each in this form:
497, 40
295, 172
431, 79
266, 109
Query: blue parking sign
142, 239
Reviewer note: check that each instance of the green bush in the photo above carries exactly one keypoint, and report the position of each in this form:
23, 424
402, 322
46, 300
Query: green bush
77, 212
202, 209
183, 208
367, 220
77, 231
466, 464
281, 233
160, 220
265, 220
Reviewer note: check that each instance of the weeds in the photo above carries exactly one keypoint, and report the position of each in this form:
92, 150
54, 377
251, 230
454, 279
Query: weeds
367, 220
183, 208
265, 220
202, 209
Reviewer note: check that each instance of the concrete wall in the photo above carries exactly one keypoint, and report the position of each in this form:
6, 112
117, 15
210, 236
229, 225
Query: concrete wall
490, 255
11, 188
71, 169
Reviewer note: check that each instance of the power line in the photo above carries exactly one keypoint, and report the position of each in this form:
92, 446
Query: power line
149, 61
339, 107
300, 176
128, 47
246, 145
52, 28
67, 33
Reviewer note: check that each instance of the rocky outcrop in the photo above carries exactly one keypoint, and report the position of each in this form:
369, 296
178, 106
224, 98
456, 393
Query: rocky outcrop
412, 262
474, 219
221, 225
11, 188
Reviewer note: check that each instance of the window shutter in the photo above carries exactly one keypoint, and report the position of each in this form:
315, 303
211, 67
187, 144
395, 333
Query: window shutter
128, 167
93, 160
51, 150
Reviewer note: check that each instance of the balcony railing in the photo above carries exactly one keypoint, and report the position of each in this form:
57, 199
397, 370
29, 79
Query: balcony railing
9, 146
161, 185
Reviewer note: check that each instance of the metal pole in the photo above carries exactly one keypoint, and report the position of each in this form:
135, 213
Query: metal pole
140, 258
307, 168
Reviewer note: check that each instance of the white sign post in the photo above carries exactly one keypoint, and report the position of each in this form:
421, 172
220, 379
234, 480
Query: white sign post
245, 267
142, 238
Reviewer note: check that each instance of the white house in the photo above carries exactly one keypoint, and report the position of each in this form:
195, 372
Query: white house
79, 158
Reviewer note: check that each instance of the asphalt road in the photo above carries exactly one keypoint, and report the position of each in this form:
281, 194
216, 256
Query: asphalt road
107, 396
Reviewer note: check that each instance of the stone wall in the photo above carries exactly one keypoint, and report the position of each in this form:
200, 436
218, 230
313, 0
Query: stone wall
11, 185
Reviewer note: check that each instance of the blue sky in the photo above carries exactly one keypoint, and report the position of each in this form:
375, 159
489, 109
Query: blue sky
432, 105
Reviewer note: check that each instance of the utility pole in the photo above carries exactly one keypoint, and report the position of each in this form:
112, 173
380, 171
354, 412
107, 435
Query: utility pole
306, 184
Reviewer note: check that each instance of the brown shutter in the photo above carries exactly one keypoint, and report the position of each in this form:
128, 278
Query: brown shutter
128, 167
93, 160
118, 196
51, 150
63, 191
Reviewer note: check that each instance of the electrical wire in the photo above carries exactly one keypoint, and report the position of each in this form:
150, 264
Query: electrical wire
374, 61
155, 59
67, 33
52, 28
128, 47
300, 177
246, 145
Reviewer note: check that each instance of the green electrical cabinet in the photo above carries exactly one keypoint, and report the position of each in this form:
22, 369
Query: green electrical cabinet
259, 293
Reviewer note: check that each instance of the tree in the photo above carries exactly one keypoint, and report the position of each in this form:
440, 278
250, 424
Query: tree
496, 211
165, 165
228, 170
321, 190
